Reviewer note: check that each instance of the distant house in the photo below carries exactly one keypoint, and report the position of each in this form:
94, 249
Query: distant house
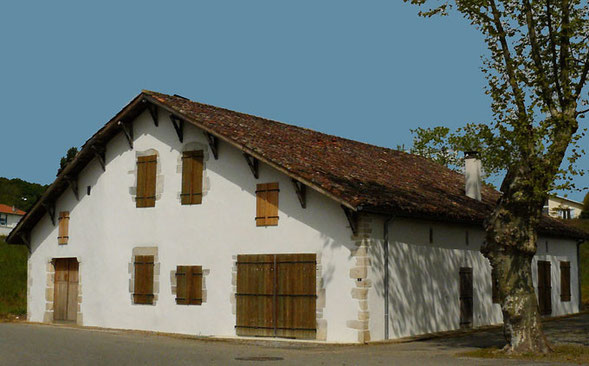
9, 217
563, 208
182, 217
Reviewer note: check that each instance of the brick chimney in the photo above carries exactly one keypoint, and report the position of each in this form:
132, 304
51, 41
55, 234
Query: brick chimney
472, 174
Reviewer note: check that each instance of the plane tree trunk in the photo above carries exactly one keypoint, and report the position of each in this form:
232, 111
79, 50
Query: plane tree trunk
510, 246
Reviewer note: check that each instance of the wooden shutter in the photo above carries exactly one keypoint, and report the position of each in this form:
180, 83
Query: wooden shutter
189, 285
565, 281
64, 226
466, 297
276, 295
267, 204
495, 286
146, 180
544, 288
192, 168
143, 292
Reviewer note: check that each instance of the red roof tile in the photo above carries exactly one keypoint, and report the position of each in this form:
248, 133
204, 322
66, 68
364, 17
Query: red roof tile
11, 210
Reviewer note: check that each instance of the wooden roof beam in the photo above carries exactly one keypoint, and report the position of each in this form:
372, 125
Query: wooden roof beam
73, 182
99, 153
128, 131
152, 108
301, 191
252, 162
50, 209
178, 124
352, 217
213, 144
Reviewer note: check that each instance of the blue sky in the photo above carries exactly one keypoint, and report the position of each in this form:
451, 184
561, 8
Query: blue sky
368, 71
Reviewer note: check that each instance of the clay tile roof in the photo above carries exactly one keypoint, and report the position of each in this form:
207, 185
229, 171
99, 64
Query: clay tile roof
11, 210
361, 176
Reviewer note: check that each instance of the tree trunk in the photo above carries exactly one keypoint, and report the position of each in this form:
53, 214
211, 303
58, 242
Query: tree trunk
510, 247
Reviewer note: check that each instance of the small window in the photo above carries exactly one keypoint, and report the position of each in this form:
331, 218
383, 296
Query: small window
189, 285
267, 204
3, 219
143, 282
146, 180
192, 168
431, 235
565, 281
467, 239
64, 227
88, 190
495, 286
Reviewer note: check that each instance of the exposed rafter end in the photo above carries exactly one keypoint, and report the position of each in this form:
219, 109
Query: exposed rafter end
50, 209
153, 111
301, 190
100, 153
73, 185
253, 164
128, 132
178, 124
26, 238
213, 144
352, 217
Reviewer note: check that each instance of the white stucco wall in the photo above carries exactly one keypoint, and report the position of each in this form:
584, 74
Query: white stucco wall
106, 226
11, 222
424, 278
557, 204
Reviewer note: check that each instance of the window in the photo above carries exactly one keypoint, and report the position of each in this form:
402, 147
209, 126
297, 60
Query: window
146, 180
565, 281
64, 227
565, 213
189, 285
267, 204
495, 286
143, 284
192, 167
3, 219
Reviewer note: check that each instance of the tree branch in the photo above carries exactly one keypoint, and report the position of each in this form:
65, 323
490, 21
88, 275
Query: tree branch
554, 54
540, 72
583, 79
565, 45
581, 112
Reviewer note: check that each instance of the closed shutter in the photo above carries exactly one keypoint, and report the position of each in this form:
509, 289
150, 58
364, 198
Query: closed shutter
189, 285
192, 169
267, 204
495, 286
276, 295
466, 297
544, 288
565, 281
146, 180
143, 292
64, 226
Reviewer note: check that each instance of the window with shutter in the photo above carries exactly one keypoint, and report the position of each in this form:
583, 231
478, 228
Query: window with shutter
146, 180
267, 204
143, 286
565, 281
64, 226
192, 168
189, 285
495, 286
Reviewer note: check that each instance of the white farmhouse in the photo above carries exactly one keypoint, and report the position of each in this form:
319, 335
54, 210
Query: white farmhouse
561, 207
9, 217
187, 218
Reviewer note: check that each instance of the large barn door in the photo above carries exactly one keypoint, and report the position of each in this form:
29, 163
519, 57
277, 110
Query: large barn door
544, 288
466, 300
65, 298
276, 295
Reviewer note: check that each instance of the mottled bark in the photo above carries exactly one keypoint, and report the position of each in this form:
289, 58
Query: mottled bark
510, 246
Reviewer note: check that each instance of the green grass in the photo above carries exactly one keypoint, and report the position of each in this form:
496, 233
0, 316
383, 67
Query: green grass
13, 279
570, 353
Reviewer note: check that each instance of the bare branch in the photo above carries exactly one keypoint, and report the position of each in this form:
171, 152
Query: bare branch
565, 46
581, 112
583, 79
554, 55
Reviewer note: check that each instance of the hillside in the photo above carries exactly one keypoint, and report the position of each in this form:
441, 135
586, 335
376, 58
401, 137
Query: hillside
19, 193
13, 279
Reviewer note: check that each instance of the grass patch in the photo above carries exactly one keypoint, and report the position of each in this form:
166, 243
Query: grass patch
571, 353
13, 279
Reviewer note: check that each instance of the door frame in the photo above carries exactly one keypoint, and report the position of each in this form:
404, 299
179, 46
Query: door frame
74, 301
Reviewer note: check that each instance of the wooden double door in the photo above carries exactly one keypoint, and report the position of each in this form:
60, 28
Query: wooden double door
276, 295
65, 297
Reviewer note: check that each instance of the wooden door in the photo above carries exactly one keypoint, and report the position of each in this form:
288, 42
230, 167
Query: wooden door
65, 298
276, 295
466, 298
544, 288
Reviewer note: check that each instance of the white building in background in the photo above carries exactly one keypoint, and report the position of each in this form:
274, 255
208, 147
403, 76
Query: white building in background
9, 217
187, 218
562, 207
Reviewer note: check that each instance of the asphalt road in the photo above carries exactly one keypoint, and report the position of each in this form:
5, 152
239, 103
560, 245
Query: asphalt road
30, 344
